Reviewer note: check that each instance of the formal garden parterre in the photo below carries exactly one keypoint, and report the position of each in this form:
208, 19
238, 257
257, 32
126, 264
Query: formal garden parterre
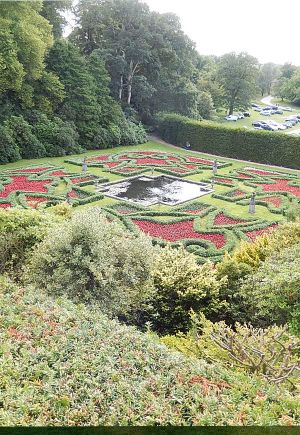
204, 229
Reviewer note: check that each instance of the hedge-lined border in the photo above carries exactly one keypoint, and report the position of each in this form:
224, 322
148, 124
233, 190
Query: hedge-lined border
264, 147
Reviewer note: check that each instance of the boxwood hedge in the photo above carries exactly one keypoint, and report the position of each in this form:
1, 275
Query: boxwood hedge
257, 146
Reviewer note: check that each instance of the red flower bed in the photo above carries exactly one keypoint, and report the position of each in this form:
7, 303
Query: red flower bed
23, 184
200, 161
80, 179
111, 164
5, 205
35, 201
151, 161
98, 158
73, 194
225, 181
32, 170
190, 166
58, 174
256, 233
178, 231
244, 176
178, 170
261, 172
129, 169
274, 200
222, 219
281, 185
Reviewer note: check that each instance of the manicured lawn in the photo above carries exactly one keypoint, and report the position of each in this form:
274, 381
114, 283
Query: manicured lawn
208, 226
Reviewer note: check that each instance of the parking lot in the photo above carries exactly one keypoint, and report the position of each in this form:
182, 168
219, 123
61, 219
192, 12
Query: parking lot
274, 118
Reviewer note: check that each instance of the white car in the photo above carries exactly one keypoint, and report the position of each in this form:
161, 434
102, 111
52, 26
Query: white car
266, 112
231, 118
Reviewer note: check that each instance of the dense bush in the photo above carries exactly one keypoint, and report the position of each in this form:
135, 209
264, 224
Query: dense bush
271, 352
64, 365
92, 260
181, 284
9, 151
245, 260
20, 231
273, 293
256, 146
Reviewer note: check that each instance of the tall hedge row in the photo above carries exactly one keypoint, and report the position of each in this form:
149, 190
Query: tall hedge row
258, 146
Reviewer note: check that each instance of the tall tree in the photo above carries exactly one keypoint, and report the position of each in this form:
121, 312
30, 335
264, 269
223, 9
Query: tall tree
25, 36
238, 74
268, 73
142, 49
54, 11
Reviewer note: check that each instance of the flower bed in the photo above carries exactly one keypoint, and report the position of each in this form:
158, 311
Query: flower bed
138, 162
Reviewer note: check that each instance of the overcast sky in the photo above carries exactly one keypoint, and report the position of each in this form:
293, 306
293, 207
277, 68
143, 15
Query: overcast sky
266, 29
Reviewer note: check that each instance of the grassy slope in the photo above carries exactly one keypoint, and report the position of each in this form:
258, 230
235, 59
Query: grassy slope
237, 210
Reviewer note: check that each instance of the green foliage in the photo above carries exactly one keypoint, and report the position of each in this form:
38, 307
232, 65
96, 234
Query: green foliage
245, 261
272, 294
29, 146
208, 137
238, 75
272, 352
181, 285
20, 231
68, 365
293, 212
9, 151
150, 60
94, 261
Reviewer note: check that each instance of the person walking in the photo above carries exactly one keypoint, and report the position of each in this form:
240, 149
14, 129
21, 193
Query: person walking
215, 167
84, 165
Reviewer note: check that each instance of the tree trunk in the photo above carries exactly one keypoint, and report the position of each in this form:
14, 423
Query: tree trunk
231, 107
132, 71
121, 87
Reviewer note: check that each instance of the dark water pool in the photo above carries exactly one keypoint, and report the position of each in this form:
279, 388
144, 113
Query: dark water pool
152, 190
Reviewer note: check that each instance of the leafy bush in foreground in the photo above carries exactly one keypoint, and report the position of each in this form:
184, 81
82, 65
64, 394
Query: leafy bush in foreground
272, 294
92, 260
64, 364
20, 231
181, 284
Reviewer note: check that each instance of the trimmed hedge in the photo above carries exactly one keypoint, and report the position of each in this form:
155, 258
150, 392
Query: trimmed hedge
258, 146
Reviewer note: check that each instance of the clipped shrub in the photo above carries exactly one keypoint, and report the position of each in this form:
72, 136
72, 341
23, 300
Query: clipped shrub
272, 294
68, 365
256, 146
95, 261
181, 284
20, 231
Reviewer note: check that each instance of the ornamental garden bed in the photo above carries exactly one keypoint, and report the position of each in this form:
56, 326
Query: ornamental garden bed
206, 228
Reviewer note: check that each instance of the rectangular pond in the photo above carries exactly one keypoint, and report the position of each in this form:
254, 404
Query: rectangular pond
163, 189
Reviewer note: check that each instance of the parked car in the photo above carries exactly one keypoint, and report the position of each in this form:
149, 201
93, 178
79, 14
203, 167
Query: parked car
293, 121
265, 112
258, 108
247, 114
288, 124
287, 109
231, 118
240, 116
257, 124
255, 105
278, 112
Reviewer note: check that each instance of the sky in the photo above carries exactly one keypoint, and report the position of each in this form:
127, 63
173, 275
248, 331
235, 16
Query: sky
266, 29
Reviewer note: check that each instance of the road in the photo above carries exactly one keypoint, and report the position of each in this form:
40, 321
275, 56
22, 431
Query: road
267, 100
